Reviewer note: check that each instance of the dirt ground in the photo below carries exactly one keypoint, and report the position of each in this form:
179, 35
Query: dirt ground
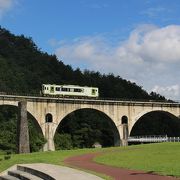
86, 162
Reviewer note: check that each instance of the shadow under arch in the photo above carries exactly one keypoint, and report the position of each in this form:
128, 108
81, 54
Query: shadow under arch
156, 122
92, 120
10, 113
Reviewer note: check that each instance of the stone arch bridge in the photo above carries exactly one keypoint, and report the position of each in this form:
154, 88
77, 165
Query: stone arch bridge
49, 112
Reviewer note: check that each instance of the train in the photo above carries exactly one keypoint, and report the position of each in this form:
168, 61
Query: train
69, 91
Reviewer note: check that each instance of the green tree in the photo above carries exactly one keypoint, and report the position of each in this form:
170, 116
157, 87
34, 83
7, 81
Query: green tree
63, 141
8, 133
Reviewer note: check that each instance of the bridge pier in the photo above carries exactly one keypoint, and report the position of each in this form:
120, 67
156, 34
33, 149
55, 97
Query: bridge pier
49, 132
22, 129
125, 134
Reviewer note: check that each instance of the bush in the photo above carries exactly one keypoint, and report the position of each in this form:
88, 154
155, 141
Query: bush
6, 157
63, 141
8, 152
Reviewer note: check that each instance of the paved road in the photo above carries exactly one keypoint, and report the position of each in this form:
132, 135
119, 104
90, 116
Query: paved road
86, 162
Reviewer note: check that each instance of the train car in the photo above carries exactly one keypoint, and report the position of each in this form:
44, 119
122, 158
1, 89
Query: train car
69, 91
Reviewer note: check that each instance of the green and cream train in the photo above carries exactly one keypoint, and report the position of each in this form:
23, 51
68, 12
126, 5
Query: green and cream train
69, 91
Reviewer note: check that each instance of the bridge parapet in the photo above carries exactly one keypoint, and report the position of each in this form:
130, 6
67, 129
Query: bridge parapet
122, 102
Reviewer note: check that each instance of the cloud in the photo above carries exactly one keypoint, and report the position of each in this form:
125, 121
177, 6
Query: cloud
5, 6
154, 12
53, 42
168, 91
150, 55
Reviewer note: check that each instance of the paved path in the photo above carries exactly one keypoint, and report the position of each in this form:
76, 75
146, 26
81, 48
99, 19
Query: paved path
58, 172
61, 172
86, 162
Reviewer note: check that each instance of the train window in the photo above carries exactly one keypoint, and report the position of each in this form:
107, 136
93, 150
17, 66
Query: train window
64, 89
77, 90
58, 89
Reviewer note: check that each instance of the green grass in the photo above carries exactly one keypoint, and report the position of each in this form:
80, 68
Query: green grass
52, 157
162, 158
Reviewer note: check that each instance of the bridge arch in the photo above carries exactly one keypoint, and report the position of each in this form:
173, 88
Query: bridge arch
139, 117
115, 131
13, 108
15, 105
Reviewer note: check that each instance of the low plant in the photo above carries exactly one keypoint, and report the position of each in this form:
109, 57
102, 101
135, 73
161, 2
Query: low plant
7, 157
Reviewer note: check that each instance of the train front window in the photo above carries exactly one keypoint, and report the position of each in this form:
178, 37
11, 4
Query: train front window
93, 91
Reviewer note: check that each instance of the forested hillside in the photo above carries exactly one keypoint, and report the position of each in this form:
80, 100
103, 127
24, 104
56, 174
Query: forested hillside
24, 67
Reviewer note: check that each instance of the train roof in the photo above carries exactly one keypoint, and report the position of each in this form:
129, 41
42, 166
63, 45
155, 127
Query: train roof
68, 85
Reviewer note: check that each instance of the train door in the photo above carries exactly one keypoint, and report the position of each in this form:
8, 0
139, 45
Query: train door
52, 89
93, 92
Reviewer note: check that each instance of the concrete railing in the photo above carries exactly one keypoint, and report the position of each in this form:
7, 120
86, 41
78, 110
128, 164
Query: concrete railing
154, 138
36, 97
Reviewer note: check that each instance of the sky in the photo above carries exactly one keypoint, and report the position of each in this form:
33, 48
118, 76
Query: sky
138, 40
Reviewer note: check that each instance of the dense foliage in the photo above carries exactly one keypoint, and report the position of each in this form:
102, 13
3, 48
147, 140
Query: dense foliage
24, 67
85, 128
8, 131
157, 123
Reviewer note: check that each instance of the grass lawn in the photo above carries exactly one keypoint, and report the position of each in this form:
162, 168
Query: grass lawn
52, 157
163, 158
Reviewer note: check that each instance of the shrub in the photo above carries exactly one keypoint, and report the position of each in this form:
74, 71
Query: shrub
8, 152
6, 157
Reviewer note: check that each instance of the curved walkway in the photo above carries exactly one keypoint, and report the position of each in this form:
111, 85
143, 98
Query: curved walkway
86, 162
